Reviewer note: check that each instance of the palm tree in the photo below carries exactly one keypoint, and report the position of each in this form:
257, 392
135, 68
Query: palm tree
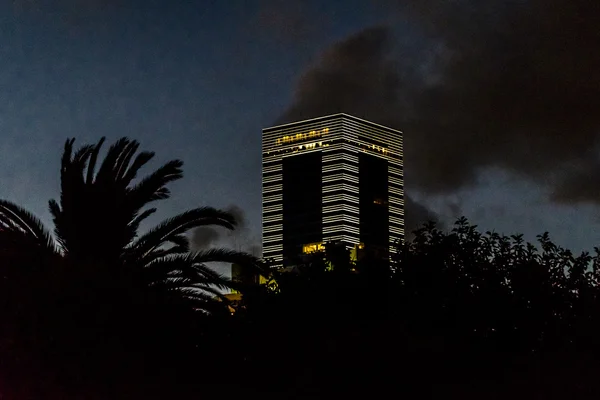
96, 254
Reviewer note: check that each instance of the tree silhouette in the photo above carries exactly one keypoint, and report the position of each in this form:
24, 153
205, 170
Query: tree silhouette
97, 283
459, 314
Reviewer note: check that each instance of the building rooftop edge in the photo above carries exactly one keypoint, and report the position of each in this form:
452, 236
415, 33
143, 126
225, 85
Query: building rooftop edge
329, 116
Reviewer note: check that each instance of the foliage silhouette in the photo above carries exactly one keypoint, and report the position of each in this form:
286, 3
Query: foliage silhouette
459, 314
456, 313
98, 285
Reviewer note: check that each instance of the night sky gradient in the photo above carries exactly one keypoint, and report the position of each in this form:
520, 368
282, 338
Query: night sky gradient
498, 99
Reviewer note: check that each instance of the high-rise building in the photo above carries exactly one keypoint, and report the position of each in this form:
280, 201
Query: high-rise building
335, 178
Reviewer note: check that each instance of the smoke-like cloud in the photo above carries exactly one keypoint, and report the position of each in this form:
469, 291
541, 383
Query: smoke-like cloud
240, 218
416, 214
518, 88
355, 76
358, 76
203, 237
513, 85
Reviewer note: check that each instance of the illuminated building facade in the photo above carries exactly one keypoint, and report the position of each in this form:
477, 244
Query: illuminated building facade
335, 178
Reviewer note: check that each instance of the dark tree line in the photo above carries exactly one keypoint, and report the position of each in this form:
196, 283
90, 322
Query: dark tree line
99, 310
456, 314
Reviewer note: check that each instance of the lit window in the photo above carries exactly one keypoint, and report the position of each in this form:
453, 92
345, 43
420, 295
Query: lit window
312, 248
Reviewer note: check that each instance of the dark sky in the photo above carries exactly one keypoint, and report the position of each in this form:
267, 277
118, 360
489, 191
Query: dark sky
498, 100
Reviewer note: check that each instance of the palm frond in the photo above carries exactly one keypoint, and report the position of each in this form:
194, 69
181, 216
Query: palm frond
7, 224
212, 289
202, 292
180, 240
22, 255
152, 187
142, 159
245, 260
73, 175
189, 286
175, 226
177, 281
184, 265
93, 159
82, 155
27, 223
174, 265
67, 153
137, 219
107, 168
160, 253
56, 211
207, 300
101, 206
208, 273
195, 265
124, 160
204, 302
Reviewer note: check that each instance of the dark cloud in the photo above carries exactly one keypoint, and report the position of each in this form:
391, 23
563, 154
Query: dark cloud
416, 215
506, 84
355, 76
255, 249
241, 238
520, 83
358, 77
579, 183
240, 217
453, 209
203, 237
